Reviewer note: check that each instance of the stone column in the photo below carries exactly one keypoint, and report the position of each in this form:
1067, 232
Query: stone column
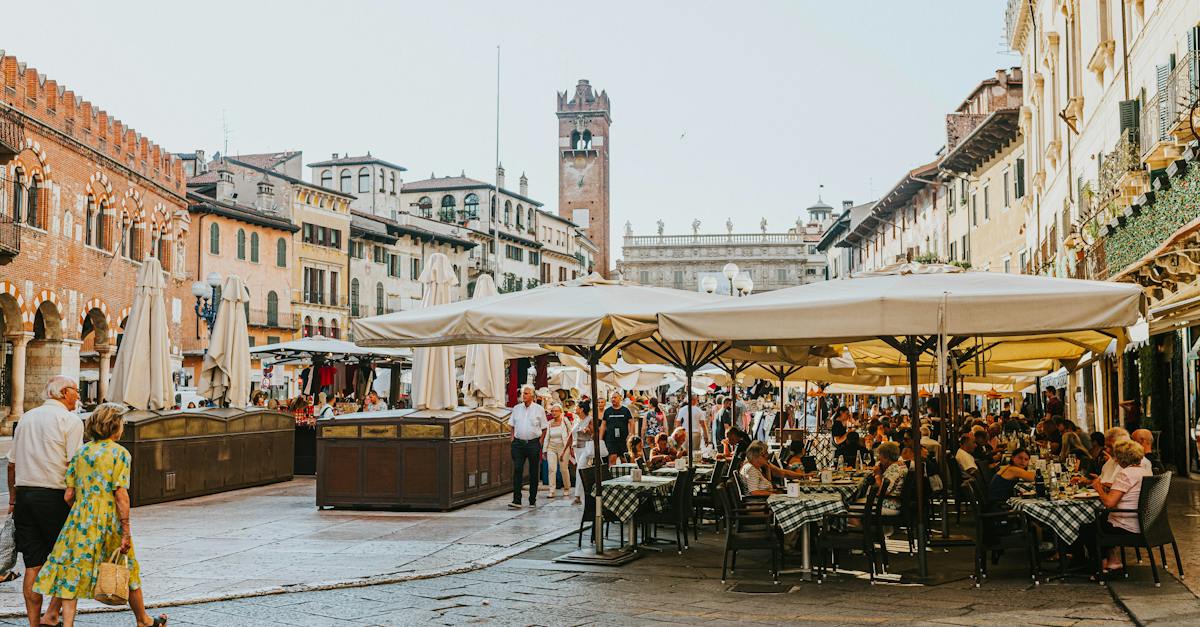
105, 353
19, 342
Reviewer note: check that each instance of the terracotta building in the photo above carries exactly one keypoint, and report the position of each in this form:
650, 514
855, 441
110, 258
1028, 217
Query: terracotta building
83, 199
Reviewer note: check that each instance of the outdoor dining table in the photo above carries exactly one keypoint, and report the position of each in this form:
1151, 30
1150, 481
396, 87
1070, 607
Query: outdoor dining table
794, 513
622, 496
703, 471
1065, 517
842, 488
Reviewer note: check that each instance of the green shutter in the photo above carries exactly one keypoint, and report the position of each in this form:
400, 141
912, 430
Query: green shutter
1130, 114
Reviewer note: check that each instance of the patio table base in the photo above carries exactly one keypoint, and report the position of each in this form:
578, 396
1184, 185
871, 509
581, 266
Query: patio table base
616, 556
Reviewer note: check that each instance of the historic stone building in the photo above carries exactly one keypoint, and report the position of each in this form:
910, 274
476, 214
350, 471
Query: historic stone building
583, 144
83, 200
771, 260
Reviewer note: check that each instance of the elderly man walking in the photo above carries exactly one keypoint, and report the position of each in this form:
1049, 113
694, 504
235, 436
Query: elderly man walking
529, 423
45, 441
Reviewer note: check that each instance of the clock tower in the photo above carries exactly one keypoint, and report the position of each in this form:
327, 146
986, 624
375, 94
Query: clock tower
583, 142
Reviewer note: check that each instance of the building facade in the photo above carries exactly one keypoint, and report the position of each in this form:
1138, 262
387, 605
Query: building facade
374, 183
564, 255
84, 198
505, 235
253, 242
584, 120
771, 260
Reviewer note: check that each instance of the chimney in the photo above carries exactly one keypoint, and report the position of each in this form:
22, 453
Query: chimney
500, 175
846, 204
265, 199
524, 185
201, 164
224, 185
335, 156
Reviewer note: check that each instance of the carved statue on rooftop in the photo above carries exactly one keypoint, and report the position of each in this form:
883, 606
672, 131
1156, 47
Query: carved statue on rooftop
696, 226
628, 229
762, 226
729, 225
661, 226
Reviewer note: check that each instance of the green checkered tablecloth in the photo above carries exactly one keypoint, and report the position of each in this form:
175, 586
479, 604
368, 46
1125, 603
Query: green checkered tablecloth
813, 487
621, 496
703, 472
1065, 517
793, 512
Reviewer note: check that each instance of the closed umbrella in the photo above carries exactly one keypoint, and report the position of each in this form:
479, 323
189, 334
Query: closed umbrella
142, 376
225, 375
433, 367
483, 368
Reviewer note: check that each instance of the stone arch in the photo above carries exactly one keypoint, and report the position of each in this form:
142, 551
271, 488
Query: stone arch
47, 322
95, 318
12, 307
123, 318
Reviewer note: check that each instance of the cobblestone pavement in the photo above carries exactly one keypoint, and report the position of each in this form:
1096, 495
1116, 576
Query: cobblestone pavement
663, 588
273, 537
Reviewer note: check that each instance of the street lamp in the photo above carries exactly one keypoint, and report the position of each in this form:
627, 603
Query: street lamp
730, 271
206, 305
709, 284
744, 285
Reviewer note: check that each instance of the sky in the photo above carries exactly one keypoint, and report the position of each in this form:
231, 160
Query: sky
739, 110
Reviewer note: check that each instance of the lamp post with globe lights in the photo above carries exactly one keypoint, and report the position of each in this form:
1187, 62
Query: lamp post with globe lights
206, 303
738, 286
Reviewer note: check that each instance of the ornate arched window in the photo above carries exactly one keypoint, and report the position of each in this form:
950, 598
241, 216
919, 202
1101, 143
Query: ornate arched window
507, 212
344, 181
241, 244
364, 180
471, 206
18, 194
32, 206
254, 247
214, 239
447, 212
520, 215
425, 207
281, 252
326, 182
89, 222
379, 298
272, 309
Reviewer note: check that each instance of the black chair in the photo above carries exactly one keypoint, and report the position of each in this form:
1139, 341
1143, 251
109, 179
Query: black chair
997, 530
834, 534
677, 513
705, 499
587, 480
1152, 520
746, 529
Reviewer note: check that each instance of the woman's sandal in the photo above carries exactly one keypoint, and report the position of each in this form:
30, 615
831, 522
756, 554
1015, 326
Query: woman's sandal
159, 621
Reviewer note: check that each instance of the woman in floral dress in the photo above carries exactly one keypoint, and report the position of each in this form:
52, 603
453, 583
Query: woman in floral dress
98, 526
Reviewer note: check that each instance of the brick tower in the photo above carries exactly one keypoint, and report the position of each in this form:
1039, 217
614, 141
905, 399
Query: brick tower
583, 141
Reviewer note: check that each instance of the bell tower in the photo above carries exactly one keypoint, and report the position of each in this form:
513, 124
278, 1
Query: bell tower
583, 142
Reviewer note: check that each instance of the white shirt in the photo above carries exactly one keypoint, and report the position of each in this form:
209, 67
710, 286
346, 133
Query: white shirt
697, 415
45, 441
528, 422
1109, 471
966, 461
376, 406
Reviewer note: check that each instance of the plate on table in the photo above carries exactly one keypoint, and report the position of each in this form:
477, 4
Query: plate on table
1087, 494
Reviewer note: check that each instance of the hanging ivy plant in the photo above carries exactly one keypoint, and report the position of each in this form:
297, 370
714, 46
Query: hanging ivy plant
1171, 210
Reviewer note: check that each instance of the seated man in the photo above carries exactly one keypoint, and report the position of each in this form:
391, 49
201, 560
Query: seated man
661, 452
678, 443
1146, 439
965, 455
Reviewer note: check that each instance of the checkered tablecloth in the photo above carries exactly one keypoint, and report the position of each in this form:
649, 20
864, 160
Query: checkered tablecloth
622, 496
703, 473
1065, 517
841, 489
622, 470
793, 512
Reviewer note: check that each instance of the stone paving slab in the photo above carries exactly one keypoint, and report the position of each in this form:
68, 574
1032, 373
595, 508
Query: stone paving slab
269, 539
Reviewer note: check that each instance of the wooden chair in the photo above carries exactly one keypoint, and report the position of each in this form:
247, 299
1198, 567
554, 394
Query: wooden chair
834, 534
996, 531
747, 529
587, 478
677, 513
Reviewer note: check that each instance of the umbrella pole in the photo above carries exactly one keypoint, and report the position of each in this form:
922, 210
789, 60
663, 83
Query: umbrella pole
598, 521
782, 397
918, 461
688, 372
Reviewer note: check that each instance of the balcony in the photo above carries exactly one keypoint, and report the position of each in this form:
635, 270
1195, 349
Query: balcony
1171, 114
713, 239
12, 135
1121, 179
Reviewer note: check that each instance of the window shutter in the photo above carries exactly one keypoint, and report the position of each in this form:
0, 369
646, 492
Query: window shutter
1162, 74
1130, 110
1193, 42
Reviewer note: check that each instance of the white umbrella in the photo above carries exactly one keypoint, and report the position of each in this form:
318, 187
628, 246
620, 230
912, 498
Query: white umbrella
483, 369
142, 376
225, 376
433, 367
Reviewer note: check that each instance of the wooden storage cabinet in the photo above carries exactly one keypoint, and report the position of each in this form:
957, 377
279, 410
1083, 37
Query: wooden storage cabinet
181, 454
413, 459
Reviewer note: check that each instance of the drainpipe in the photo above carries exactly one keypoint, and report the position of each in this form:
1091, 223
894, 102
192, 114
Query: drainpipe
1124, 52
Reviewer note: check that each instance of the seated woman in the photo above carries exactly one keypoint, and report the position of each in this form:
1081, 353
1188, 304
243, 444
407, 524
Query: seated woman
851, 450
633, 450
1124, 494
756, 472
661, 452
1096, 454
1073, 445
734, 444
793, 457
889, 468
1001, 487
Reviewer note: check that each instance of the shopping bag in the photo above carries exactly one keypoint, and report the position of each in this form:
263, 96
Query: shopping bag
112, 580
8, 546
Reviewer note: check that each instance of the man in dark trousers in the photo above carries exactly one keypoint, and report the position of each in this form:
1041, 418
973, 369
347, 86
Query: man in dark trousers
615, 428
528, 425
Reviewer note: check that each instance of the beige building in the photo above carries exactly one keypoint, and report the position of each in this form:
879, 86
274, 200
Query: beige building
564, 254
770, 259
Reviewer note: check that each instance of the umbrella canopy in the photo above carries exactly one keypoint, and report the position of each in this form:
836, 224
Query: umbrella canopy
142, 376
433, 367
910, 301
328, 349
225, 375
483, 368
586, 312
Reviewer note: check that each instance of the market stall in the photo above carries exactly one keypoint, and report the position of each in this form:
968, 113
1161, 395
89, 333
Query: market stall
413, 459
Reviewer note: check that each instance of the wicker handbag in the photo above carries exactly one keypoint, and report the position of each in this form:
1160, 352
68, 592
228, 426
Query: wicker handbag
112, 580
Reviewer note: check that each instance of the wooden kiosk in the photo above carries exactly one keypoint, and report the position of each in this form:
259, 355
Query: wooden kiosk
413, 459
